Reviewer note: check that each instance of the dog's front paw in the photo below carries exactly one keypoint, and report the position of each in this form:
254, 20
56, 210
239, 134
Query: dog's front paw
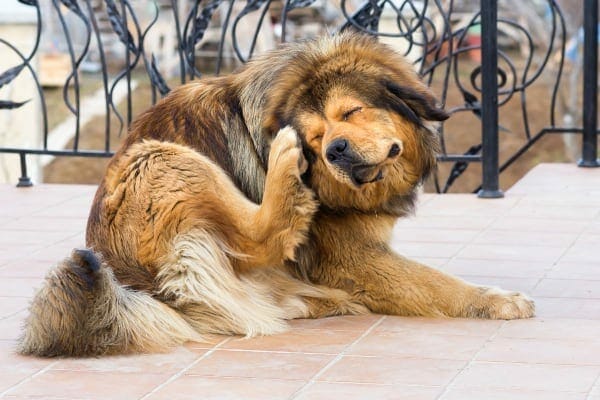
292, 203
286, 153
495, 303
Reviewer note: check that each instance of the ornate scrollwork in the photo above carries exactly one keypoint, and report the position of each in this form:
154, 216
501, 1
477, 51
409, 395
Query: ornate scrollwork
436, 35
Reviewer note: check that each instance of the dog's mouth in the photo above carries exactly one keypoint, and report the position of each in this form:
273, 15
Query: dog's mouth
363, 174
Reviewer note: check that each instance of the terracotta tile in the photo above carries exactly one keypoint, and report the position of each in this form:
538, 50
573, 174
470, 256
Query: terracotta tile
522, 238
589, 238
89, 385
210, 342
582, 253
54, 253
524, 224
5, 220
498, 268
466, 204
445, 222
46, 224
19, 287
12, 238
26, 269
70, 190
594, 227
258, 364
67, 209
17, 210
309, 341
10, 327
433, 235
15, 251
167, 363
575, 270
548, 307
583, 289
558, 199
9, 379
542, 351
195, 387
418, 344
440, 326
10, 361
426, 249
559, 329
392, 370
355, 391
509, 376
595, 392
515, 394
7, 255
558, 212
12, 305
343, 323
511, 252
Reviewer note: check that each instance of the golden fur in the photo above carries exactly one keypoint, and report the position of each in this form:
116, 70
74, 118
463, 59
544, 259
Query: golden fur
240, 202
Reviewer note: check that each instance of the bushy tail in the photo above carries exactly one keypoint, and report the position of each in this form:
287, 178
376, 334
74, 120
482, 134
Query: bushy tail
82, 310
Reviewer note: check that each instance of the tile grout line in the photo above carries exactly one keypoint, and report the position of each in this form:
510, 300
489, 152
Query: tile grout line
557, 260
30, 377
335, 359
594, 385
450, 384
480, 233
184, 370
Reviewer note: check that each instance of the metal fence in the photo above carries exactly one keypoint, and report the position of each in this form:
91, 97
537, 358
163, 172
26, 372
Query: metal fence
435, 35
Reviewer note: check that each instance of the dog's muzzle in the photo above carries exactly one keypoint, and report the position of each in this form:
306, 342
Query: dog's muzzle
340, 154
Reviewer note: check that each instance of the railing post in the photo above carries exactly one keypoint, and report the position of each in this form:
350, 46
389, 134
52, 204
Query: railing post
589, 153
24, 180
490, 186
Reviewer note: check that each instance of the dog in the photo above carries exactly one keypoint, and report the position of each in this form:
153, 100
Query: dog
239, 202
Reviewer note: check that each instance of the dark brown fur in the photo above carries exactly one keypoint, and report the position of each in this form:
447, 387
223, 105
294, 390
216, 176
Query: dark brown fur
230, 209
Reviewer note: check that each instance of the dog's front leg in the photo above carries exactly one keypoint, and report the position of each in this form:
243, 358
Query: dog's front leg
274, 230
388, 283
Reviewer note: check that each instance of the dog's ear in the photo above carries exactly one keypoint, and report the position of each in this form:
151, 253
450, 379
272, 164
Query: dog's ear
415, 105
271, 125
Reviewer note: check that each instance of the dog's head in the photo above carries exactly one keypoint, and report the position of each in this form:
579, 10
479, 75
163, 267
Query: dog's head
365, 120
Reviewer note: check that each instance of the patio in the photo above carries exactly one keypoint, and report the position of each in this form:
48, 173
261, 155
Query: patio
542, 238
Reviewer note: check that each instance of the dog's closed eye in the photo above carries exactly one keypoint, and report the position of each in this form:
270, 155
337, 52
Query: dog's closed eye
348, 113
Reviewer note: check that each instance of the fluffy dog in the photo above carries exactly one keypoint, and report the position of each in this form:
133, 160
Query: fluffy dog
239, 202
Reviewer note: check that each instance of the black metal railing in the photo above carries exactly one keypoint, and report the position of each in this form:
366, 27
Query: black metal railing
436, 35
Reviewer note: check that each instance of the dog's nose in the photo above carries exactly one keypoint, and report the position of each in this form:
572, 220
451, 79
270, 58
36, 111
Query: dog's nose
338, 150
394, 150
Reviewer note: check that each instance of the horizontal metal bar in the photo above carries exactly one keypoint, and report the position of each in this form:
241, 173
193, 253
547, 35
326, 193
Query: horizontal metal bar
458, 158
58, 153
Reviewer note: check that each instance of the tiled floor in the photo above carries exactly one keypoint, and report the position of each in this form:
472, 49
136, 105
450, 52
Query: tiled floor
542, 238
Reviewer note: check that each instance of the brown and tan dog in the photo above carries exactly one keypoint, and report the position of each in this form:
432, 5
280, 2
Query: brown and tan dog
242, 201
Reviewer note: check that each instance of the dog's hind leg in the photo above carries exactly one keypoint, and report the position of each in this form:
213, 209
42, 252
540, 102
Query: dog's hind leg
267, 234
300, 299
199, 281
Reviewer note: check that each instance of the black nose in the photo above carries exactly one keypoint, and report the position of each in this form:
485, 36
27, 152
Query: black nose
338, 150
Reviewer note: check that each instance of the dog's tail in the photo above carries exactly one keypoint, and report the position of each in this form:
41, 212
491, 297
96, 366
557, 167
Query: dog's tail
82, 310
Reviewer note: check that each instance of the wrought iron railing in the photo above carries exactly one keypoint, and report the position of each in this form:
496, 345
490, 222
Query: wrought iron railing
436, 34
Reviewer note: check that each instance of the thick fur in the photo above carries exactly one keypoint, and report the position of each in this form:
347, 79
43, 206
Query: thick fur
242, 201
